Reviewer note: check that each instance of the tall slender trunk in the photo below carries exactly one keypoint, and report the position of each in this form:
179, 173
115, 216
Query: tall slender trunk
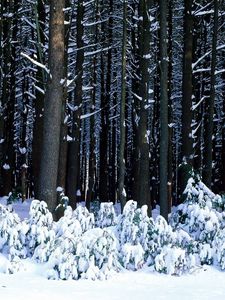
10, 29
207, 167
105, 176
73, 162
163, 164
39, 101
143, 179
92, 156
170, 105
187, 141
122, 192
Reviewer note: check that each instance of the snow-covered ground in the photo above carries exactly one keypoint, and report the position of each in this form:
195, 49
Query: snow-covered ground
30, 283
207, 283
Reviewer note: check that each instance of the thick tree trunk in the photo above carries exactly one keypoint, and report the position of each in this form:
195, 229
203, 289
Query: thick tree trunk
53, 106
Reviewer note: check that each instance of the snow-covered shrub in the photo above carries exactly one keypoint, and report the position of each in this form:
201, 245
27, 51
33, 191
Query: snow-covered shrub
68, 225
197, 192
219, 248
135, 228
106, 215
200, 222
40, 234
63, 201
102, 247
196, 215
132, 256
86, 219
12, 234
128, 224
206, 253
171, 260
10, 266
93, 256
61, 262
202, 217
159, 234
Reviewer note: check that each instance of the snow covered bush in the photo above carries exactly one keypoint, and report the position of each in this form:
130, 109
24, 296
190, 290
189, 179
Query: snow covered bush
93, 256
12, 234
206, 253
40, 234
86, 219
197, 192
62, 200
198, 220
141, 236
171, 260
132, 256
106, 215
68, 225
202, 217
219, 248
128, 224
196, 215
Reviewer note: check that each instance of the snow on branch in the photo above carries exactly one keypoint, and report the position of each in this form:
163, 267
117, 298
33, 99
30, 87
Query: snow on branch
35, 62
206, 54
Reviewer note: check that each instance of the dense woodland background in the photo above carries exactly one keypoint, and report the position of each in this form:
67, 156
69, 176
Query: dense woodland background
111, 100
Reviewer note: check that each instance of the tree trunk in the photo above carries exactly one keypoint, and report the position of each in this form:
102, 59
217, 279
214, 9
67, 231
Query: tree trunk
143, 178
121, 189
39, 101
53, 106
163, 164
73, 163
207, 167
187, 142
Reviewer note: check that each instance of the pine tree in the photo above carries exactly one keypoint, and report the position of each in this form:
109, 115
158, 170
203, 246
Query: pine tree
163, 192
53, 104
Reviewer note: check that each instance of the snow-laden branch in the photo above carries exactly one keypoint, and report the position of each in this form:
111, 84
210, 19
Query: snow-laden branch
90, 114
35, 62
199, 102
206, 54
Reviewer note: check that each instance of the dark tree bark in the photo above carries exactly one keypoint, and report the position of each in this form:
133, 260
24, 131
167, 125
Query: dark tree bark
187, 142
142, 180
207, 167
170, 105
73, 162
104, 170
92, 156
62, 169
163, 164
104, 174
53, 106
39, 101
9, 33
121, 188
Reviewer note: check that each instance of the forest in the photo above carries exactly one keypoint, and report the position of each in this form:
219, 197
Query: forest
108, 100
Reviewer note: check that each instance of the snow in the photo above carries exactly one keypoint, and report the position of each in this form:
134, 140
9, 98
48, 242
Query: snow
6, 166
35, 62
137, 281
206, 283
